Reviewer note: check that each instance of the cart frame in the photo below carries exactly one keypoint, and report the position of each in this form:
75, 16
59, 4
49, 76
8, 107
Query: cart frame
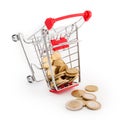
44, 33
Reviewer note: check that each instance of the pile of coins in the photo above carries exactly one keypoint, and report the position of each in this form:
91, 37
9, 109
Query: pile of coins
62, 74
84, 99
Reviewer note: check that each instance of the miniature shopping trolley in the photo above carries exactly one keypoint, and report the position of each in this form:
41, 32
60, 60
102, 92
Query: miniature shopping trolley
48, 43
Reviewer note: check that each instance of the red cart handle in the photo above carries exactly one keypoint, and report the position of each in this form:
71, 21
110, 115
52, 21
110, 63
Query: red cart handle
49, 22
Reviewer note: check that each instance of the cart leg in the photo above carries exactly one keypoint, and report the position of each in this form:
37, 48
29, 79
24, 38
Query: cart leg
30, 79
18, 37
15, 37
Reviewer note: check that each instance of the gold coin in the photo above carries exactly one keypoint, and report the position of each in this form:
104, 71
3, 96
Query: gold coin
72, 71
59, 74
45, 64
62, 83
74, 105
58, 62
56, 55
53, 70
78, 93
83, 101
71, 75
72, 79
93, 105
63, 68
91, 88
45, 59
89, 96
59, 82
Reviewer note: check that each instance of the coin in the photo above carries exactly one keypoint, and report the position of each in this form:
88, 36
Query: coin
83, 101
77, 93
89, 96
59, 74
58, 62
63, 68
62, 83
71, 79
74, 105
91, 88
71, 75
56, 55
93, 105
72, 71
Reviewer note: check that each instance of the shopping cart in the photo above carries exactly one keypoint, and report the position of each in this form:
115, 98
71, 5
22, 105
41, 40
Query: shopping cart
46, 41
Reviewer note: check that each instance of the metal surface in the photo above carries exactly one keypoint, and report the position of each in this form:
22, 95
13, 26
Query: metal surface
48, 57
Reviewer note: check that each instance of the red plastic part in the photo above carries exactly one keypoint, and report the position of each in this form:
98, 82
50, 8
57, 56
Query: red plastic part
60, 47
55, 42
49, 22
87, 15
64, 88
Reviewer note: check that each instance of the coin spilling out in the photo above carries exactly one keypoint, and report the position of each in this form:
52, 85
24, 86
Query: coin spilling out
78, 93
88, 96
74, 105
91, 88
93, 105
84, 99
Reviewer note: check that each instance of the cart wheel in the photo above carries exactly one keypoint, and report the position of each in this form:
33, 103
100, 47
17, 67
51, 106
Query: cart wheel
30, 79
15, 38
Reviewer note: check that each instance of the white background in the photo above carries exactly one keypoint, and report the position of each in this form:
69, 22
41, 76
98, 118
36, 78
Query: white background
100, 60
